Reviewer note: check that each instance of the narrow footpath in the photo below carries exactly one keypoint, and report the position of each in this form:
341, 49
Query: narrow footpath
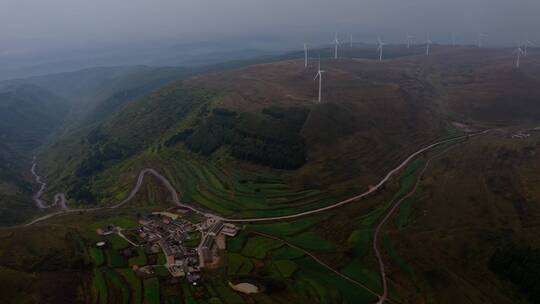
377, 235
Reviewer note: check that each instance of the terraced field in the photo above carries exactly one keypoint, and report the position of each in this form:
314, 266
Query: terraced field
252, 256
259, 259
235, 192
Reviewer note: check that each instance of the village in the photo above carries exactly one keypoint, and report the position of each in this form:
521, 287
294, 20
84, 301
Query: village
190, 243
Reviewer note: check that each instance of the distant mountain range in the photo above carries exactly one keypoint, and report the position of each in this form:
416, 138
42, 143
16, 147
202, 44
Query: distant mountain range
196, 54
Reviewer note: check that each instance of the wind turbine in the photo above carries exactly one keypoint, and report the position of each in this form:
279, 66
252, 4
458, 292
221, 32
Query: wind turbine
336, 45
305, 55
526, 44
409, 37
380, 48
319, 75
428, 44
481, 37
518, 53
351, 41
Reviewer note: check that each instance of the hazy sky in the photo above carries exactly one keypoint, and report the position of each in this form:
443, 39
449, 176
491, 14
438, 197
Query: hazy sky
38, 25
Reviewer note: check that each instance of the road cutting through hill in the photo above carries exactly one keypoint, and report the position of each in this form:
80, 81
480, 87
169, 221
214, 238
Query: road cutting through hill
178, 203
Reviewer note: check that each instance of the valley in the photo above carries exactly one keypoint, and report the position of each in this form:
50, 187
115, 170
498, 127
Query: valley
346, 201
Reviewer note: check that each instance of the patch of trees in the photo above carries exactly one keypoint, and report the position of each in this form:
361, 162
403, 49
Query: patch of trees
272, 139
80, 190
519, 265
223, 112
138, 126
179, 137
98, 155
101, 151
279, 155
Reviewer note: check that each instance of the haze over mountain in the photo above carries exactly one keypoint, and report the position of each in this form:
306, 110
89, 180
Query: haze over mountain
198, 152
42, 38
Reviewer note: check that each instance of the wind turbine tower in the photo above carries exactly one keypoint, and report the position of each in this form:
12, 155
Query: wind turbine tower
351, 41
518, 53
380, 48
409, 38
319, 75
336, 46
525, 47
305, 56
428, 45
481, 37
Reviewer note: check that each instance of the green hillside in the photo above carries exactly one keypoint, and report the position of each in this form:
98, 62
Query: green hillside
264, 116
28, 115
253, 142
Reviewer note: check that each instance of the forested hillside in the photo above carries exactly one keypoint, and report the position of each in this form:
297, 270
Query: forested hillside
28, 114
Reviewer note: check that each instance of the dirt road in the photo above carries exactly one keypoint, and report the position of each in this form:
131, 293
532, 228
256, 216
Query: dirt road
377, 234
177, 202
360, 196
62, 200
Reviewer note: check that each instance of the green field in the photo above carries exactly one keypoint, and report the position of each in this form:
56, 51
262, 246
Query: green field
405, 211
311, 241
284, 229
283, 268
139, 259
114, 259
258, 247
151, 291
286, 253
360, 241
238, 264
117, 282
100, 287
97, 256
316, 281
230, 191
135, 285
188, 297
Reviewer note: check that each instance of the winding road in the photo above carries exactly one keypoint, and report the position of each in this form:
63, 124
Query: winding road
61, 200
376, 236
360, 196
178, 203
132, 194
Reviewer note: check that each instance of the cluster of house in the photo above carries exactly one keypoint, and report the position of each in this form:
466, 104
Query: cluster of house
213, 239
168, 232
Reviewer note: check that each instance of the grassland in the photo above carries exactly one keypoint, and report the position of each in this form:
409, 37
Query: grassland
151, 291
139, 259
365, 128
99, 287
452, 231
97, 255
135, 285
